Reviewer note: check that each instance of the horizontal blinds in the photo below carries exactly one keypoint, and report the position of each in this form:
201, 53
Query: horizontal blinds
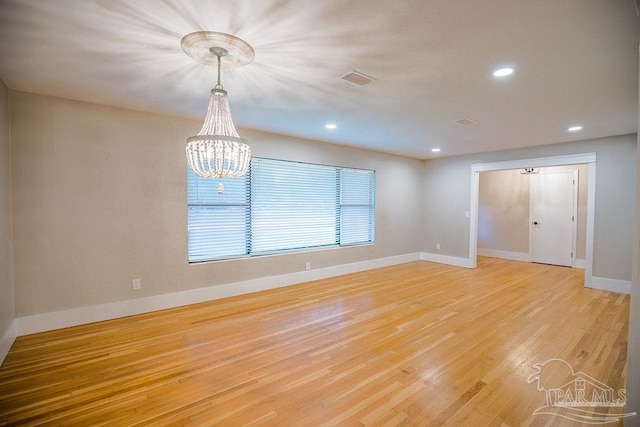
218, 224
293, 205
279, 206
217, 232
357, 207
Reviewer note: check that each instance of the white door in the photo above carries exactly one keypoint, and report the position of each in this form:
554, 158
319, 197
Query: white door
553, 206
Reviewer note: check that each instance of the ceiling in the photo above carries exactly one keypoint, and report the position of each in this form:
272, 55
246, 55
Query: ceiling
576, 62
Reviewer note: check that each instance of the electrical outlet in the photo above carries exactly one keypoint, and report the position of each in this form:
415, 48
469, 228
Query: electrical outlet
437, 246
136, 284
308, 266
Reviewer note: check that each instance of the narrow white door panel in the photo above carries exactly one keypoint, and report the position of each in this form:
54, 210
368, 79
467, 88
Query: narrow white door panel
552, 218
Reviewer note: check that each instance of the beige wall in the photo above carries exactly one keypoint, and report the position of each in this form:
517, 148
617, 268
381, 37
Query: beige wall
7, 300
92, 209
446, 197
100, 199
503, 209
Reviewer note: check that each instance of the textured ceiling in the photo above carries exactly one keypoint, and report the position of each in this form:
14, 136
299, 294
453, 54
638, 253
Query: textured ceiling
576, 61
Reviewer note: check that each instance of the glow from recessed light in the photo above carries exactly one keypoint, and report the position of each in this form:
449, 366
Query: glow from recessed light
503, 72
330, 126
575, 128
435, 150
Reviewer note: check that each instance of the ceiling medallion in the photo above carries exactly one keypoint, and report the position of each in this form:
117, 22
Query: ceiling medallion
198, 46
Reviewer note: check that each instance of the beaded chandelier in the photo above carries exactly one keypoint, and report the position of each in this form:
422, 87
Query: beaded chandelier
217, 151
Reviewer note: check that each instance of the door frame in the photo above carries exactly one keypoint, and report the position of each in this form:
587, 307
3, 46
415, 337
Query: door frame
574, 212
571, 159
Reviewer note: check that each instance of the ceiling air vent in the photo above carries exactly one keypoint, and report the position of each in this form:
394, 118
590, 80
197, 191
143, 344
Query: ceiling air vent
357, 78
466, 122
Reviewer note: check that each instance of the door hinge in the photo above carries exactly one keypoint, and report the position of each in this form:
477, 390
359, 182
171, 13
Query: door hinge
571, 254
573, 218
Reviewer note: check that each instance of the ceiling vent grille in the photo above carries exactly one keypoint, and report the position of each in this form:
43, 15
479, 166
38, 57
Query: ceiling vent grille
357, 78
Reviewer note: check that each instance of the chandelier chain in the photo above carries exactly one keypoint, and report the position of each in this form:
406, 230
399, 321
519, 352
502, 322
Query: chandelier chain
219, 85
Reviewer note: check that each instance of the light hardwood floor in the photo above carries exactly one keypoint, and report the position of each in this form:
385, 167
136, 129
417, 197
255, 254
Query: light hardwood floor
413, 344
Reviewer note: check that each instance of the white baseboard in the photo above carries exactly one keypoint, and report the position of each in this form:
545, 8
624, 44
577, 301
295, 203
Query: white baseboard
7, 340
580, 263
613, 285
446, 259
82, 315
514, 256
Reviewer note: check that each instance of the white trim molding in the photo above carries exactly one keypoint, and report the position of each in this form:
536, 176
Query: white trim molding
514, 256
446, 259
7, 340
96, 313
591, 209
571, 159
612, 285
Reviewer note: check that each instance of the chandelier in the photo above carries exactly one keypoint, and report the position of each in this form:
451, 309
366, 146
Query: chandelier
217, 151
529, 171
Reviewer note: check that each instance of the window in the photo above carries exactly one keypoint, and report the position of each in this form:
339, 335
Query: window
356, 206
218, 223
293, 205
279, 206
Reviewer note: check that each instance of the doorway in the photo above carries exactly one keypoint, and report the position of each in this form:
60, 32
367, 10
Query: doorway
587, 158
534, 215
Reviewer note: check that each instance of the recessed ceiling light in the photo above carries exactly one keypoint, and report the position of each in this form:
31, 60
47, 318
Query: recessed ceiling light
435, 150
466, 122
503, 72
575, 128
330, 126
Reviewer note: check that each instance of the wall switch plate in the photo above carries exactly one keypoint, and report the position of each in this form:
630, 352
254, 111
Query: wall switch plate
308, 266
136, 284
437, 246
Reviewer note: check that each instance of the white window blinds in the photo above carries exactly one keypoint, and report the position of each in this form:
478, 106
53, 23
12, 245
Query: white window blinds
279, 206
293, 205
218, 224
357, 193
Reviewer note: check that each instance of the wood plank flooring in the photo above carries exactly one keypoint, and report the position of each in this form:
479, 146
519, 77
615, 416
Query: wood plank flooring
413, 344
